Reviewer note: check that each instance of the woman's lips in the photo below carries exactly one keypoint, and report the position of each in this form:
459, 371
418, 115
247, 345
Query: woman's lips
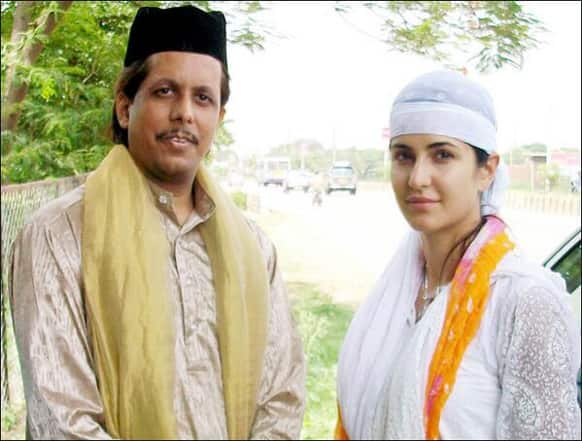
421, 202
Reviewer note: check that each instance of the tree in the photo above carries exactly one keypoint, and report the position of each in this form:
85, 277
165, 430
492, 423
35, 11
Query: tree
536, 147
29, 52
59, 63
490, 34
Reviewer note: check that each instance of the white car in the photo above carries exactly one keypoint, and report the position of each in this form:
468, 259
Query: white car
342, 176
298, 179
566, 260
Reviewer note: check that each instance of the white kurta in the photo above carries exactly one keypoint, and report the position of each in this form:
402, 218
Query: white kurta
517, 379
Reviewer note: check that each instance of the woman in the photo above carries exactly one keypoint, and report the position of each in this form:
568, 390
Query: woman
461, 337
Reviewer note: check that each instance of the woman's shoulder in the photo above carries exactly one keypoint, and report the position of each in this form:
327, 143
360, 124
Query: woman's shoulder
522, 289
516, 276
531, 299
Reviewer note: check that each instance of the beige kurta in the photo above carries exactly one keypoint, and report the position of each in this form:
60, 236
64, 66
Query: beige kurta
50, 324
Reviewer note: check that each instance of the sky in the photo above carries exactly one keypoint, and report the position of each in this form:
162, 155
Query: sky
329, 80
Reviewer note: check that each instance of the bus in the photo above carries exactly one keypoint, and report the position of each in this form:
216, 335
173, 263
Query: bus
273, 170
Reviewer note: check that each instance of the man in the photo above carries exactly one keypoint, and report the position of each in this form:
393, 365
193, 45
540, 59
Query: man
144, 304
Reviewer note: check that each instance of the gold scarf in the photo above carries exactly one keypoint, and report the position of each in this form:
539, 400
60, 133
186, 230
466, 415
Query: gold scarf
125, 259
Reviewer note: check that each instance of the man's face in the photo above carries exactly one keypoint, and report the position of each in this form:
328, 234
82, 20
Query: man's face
173, 117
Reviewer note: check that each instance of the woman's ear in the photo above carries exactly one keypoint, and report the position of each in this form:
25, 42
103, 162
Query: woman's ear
487, 171
122, 104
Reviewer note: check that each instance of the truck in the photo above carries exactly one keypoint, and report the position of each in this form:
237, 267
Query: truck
273, 170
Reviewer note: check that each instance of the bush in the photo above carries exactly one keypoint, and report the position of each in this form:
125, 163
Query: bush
240, 199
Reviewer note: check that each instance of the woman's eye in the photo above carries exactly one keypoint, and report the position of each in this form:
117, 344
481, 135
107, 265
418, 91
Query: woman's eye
400, 156
443, 154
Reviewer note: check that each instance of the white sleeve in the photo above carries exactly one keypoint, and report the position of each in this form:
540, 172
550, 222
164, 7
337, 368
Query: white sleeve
540, 361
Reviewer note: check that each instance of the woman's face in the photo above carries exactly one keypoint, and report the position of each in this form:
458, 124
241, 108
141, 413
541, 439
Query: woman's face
437, 182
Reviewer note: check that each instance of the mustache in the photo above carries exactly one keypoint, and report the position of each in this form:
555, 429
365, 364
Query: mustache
180, 133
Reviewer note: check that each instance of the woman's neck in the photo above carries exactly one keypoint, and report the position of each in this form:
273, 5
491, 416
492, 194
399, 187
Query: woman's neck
441, 259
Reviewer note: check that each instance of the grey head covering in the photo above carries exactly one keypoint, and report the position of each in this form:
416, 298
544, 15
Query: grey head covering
447, 103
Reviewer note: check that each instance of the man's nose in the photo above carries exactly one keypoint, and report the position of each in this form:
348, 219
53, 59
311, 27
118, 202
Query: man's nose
183, 110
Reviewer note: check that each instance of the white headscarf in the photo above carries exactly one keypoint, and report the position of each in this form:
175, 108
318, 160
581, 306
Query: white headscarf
447, 103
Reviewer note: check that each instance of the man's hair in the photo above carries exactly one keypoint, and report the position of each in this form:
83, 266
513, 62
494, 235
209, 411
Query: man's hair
129, 82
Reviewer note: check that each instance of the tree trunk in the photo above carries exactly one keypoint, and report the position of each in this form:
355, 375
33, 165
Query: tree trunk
20, 25
16, 90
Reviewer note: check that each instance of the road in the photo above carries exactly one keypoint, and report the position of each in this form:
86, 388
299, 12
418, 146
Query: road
344, 245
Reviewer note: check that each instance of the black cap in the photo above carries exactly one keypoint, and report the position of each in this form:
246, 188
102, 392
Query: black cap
185, 29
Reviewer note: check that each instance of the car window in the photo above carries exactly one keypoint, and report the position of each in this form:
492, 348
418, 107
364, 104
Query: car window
576, 304
569, 267
344, 171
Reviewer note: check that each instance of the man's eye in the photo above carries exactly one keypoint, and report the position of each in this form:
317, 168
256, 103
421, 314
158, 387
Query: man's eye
204, 98
163, 91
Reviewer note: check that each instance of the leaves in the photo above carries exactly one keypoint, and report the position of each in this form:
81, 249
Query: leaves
488, 34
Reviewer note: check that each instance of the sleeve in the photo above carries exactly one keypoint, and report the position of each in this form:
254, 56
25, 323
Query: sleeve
281, 400
60, 387
540, 359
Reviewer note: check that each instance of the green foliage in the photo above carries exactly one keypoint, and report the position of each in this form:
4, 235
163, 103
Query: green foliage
490, 34
551, 173
322, 325
240, 199
521, 154
536, 147
8, 420
63, 127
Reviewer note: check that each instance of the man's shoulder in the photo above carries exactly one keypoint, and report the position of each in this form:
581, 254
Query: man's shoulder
68, 205
264, 241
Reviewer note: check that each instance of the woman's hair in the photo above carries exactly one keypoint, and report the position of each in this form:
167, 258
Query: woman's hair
129, 82
481, 157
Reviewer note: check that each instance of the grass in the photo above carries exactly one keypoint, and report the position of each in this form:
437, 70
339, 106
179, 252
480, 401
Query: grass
322, 325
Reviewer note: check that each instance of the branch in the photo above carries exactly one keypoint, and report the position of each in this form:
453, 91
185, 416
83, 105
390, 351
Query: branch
34, 50
16, 91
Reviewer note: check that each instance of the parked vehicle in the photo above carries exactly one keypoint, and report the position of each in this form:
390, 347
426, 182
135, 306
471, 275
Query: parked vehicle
575, 182
566, 260
298, 180
342, 176
273, 170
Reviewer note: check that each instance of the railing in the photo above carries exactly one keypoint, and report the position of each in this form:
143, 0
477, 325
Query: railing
560, 204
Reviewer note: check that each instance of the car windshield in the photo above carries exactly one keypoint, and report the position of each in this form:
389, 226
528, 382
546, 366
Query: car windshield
343, 171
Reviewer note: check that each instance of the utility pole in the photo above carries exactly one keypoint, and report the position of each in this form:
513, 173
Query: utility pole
333, 145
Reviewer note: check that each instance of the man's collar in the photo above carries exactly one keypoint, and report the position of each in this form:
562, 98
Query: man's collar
203, 204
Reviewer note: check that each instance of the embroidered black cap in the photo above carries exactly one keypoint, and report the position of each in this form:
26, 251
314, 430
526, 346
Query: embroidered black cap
184, 29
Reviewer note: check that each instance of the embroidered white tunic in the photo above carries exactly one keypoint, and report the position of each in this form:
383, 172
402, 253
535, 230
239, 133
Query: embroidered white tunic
517, 379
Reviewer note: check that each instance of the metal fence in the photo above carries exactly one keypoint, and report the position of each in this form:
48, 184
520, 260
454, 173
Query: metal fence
19, 201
